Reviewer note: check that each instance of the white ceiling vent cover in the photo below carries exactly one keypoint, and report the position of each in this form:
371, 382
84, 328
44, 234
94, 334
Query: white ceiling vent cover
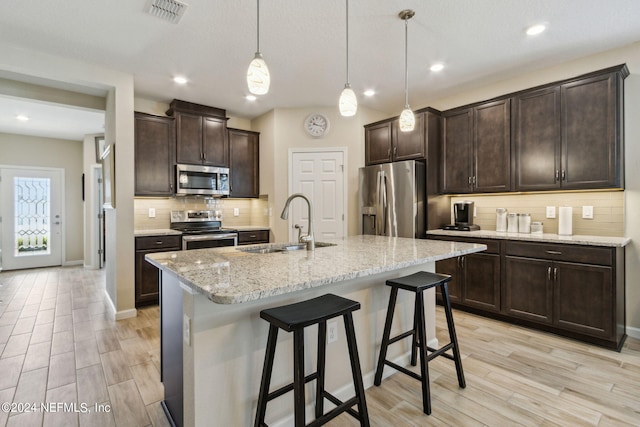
169, 10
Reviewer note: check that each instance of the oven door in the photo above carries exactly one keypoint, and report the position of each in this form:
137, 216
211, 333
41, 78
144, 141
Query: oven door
203, 241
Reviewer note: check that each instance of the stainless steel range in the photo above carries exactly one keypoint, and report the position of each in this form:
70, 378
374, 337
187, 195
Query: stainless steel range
202, 229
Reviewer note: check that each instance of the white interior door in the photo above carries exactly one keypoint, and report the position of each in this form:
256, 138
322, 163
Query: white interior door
31, 217
319, 175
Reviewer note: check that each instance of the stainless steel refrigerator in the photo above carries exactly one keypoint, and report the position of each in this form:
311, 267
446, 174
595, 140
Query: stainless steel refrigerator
392, 199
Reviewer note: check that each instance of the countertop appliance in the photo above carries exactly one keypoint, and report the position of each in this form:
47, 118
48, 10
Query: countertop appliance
202, 229
392, 199
462, 217
201, 180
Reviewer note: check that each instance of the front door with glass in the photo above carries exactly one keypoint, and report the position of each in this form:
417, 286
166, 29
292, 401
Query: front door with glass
30, 217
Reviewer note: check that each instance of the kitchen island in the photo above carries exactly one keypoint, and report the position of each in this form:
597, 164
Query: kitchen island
213, 339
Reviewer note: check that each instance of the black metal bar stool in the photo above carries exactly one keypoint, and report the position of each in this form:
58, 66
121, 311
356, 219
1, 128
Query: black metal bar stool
418, 283
294, 318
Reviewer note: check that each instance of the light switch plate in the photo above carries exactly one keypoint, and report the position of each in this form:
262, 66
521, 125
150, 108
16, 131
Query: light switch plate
587, 212
236, 211
152, 212
551, 211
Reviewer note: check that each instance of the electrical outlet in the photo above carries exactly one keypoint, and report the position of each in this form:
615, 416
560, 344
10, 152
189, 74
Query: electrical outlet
186, 329
475, 211
551, 211
332, 332
152, 212
236, 211
587, 212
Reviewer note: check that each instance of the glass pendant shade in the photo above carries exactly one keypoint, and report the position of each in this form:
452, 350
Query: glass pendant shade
348, 102
258, 78
407, 120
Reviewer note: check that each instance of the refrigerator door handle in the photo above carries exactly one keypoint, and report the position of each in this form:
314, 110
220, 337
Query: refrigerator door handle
385, 206
378, 224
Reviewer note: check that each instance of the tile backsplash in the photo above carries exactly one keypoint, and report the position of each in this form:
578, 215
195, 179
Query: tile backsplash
608, 210
253, 212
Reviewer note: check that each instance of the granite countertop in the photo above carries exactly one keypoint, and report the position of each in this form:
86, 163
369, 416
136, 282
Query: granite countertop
156, 232
229, 276
532, 237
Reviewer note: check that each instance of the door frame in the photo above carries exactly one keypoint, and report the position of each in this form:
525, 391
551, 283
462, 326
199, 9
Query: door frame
63, 217
344, 152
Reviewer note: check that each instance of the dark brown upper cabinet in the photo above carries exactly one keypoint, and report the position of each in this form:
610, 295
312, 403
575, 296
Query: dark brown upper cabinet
385, 142
592, 132
569, 135
537, 140
244, 163
476, 155
201, 134
154, 155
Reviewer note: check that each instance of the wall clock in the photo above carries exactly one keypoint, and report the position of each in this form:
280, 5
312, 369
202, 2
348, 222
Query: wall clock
316, 125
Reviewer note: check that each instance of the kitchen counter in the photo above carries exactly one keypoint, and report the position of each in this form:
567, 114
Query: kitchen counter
156, 232
213, 339
249, 228
230, 276
545, 237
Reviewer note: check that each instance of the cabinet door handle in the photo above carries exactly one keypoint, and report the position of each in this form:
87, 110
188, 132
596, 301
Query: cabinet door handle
253, 236
474, 180
469, 180
564, 175
557, 175
549, 274
395, 150
159, 242
554, 252
389, 152
555, 274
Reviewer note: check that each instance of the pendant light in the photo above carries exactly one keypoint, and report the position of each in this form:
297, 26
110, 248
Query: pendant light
407, 119
348, 102
258, 78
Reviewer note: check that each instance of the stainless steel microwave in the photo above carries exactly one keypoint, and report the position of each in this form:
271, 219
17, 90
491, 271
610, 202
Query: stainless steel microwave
202, 180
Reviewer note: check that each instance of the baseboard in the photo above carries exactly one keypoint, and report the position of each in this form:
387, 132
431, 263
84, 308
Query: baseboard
633, 332
348, 391
70, 263
119, 315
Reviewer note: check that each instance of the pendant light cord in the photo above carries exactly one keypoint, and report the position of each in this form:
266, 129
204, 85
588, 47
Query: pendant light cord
406, 62
258, 26
347, 15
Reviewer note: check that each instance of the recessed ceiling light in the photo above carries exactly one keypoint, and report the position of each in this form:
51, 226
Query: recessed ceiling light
22, 118
369, 92
437, 67
534, 30
180, 80
250, 98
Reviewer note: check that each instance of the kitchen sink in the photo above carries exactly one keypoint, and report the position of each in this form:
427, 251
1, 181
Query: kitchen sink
288, 247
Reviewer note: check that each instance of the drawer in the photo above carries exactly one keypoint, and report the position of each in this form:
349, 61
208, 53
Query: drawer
569, 253
249, 237
493, 245
159, 242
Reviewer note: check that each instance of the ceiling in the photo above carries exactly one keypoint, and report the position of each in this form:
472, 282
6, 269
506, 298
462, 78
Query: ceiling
303, 43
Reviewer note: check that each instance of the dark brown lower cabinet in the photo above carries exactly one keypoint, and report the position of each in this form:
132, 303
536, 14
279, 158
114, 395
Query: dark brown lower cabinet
572, 290
253, 237
148, 276
475, 278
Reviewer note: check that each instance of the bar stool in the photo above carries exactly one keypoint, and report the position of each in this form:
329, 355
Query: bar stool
418, 283
294, 318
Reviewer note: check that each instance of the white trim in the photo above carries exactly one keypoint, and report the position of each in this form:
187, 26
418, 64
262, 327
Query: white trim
119, 315
76, 262
345, 177
633, 332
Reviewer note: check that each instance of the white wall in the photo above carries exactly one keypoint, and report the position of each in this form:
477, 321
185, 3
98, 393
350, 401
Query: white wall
282, 129
118, 128
22, 150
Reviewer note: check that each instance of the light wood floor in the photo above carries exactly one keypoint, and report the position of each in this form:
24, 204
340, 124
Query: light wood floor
57, 344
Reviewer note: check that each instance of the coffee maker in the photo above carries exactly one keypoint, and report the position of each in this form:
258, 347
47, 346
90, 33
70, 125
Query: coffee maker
463, 217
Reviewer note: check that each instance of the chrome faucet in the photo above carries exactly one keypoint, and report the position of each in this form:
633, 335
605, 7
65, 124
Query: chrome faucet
306, 238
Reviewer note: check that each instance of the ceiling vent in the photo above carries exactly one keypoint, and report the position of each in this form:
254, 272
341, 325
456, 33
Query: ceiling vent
169, 10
